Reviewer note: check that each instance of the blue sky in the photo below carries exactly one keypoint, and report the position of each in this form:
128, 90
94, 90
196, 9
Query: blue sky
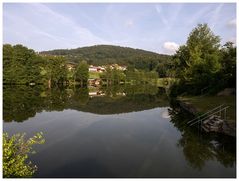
158, 27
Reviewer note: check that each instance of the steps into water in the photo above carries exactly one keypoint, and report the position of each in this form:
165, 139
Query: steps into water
214, 124
214, 121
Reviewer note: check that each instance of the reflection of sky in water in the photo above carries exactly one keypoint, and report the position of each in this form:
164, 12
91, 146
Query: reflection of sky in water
135, 144
71, 121
164, 114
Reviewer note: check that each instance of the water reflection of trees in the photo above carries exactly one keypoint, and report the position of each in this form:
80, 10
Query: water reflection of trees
23, 102
199, 147
128, 90
81, 95
20, 103
55, 99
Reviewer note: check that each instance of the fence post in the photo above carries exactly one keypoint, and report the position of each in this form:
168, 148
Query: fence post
225, 112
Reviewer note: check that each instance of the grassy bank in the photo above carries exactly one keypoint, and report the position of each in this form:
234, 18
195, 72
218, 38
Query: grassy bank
206, 103
94, 75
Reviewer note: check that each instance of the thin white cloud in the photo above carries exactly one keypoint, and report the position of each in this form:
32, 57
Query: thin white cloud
49, 26
57, 31
162, 18
67, 22
170, 47
232, 23
177, 8
129, 23
215, 15
198, 15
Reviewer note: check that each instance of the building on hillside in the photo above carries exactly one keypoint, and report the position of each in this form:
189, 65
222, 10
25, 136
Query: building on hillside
122, 68
117, 67
71, 66
93, 68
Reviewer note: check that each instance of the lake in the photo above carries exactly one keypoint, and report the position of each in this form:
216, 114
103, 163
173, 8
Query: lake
116, 132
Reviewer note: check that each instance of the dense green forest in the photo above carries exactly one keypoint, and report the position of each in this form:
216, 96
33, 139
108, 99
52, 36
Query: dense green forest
109, 54
23, 66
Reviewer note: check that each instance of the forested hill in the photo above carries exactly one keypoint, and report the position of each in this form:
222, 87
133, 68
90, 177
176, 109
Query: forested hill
108, 54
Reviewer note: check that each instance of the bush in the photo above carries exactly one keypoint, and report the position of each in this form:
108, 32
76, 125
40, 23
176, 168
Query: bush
15, 154
178, 88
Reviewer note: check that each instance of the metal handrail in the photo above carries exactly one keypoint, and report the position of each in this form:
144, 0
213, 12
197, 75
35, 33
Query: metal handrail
214, 109
209, 115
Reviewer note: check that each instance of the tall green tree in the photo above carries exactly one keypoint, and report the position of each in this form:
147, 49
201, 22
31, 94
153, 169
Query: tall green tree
82, 73
228, 62
198, 62
8, 64
113, 76
54, 70
20, 65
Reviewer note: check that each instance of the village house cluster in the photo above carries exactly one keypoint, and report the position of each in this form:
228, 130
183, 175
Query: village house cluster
71, 66
93, 68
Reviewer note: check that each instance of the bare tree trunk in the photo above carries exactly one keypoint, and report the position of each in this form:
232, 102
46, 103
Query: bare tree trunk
49, 83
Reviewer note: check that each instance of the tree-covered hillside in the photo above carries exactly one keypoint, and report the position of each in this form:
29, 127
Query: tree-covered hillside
108, 54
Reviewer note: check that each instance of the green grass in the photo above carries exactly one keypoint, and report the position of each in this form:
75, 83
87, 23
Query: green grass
94, 75
93, 89
206, 103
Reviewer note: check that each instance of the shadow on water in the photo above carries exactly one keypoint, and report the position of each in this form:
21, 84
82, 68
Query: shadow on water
200, 147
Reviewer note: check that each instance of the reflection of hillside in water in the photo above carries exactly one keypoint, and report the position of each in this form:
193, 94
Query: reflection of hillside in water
23, 102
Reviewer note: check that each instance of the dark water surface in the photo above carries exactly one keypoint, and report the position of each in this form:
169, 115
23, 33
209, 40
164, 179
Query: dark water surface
114, 132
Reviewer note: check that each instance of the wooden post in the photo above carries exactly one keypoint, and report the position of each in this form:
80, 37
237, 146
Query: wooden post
220, 112
225, 112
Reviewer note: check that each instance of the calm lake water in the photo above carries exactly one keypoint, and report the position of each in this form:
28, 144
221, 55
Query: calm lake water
112, 132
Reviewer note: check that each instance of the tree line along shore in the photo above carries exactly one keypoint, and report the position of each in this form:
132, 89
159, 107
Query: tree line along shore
202, 65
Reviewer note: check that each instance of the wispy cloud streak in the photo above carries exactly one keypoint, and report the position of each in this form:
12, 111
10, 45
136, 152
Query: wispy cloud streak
146, 26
